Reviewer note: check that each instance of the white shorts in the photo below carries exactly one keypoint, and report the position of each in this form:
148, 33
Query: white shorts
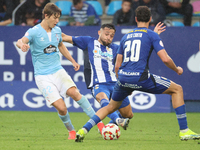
53, 86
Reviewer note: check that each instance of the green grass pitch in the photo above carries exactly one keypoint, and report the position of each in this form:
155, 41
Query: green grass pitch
22, 130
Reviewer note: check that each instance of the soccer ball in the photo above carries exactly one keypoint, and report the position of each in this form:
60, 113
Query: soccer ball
110, 132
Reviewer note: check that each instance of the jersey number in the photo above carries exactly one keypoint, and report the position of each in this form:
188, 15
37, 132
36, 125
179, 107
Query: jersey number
135, 50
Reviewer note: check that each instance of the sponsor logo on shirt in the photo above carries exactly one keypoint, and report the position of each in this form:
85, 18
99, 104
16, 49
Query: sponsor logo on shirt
102, 55
50, 49
129, 73
128, 85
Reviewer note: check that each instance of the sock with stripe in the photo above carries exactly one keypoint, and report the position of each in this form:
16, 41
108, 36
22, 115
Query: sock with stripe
67, 122
113, 116
92, 122
181, 116
111, 121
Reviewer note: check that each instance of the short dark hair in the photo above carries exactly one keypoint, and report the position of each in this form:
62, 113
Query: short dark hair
51, 9
75, 2
143, 14
108, 25
130, 1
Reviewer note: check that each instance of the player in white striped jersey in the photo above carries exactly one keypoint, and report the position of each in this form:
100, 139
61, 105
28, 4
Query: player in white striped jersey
99, 60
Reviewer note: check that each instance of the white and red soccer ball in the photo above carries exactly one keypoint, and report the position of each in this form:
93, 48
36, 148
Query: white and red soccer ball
110, 132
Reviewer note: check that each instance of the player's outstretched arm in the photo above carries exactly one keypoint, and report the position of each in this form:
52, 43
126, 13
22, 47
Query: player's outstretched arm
67, 55
159, 28
22, 44
67, 38
169, 62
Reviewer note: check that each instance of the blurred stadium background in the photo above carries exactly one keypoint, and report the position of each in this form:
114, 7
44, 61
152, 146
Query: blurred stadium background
19, 92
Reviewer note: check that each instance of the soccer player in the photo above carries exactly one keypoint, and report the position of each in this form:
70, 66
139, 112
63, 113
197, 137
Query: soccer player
133, 74
99, 59
52, 80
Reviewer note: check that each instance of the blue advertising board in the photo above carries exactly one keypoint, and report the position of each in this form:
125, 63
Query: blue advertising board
19, 92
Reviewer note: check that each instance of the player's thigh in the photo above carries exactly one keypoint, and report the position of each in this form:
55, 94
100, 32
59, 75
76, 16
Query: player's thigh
174, 88
102, 91
48, 89
74, 93
113, 105
64, 82
101, 96
120, 93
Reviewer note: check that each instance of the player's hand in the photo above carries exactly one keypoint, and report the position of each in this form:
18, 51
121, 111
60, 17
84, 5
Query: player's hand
159, 28
25, 47
180, 70
76, 66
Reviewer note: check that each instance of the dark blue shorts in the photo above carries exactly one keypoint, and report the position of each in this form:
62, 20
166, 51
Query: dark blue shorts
108, 88
154, 84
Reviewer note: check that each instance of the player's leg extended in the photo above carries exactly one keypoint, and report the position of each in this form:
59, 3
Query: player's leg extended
64, 116
103, 100
126, 112
52, 96
125, 109
176, 92
100, 115
102, 93
84, 104
68, 88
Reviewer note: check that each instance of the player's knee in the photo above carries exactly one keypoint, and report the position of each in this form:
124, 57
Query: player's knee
62, 111
179, 88
74, 93
111, 108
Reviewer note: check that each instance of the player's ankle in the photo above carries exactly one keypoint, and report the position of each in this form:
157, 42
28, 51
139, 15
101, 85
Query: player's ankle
184, 130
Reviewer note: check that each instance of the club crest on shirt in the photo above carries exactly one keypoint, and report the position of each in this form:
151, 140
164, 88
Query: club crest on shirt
96, 86
26, 34
57, 37
108, 49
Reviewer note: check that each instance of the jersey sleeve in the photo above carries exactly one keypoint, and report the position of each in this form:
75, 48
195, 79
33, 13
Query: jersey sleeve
157, 42
30, 34
81, 41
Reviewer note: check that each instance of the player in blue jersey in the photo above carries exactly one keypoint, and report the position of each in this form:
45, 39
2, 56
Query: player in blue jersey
133, 74
99, 59
45, 42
